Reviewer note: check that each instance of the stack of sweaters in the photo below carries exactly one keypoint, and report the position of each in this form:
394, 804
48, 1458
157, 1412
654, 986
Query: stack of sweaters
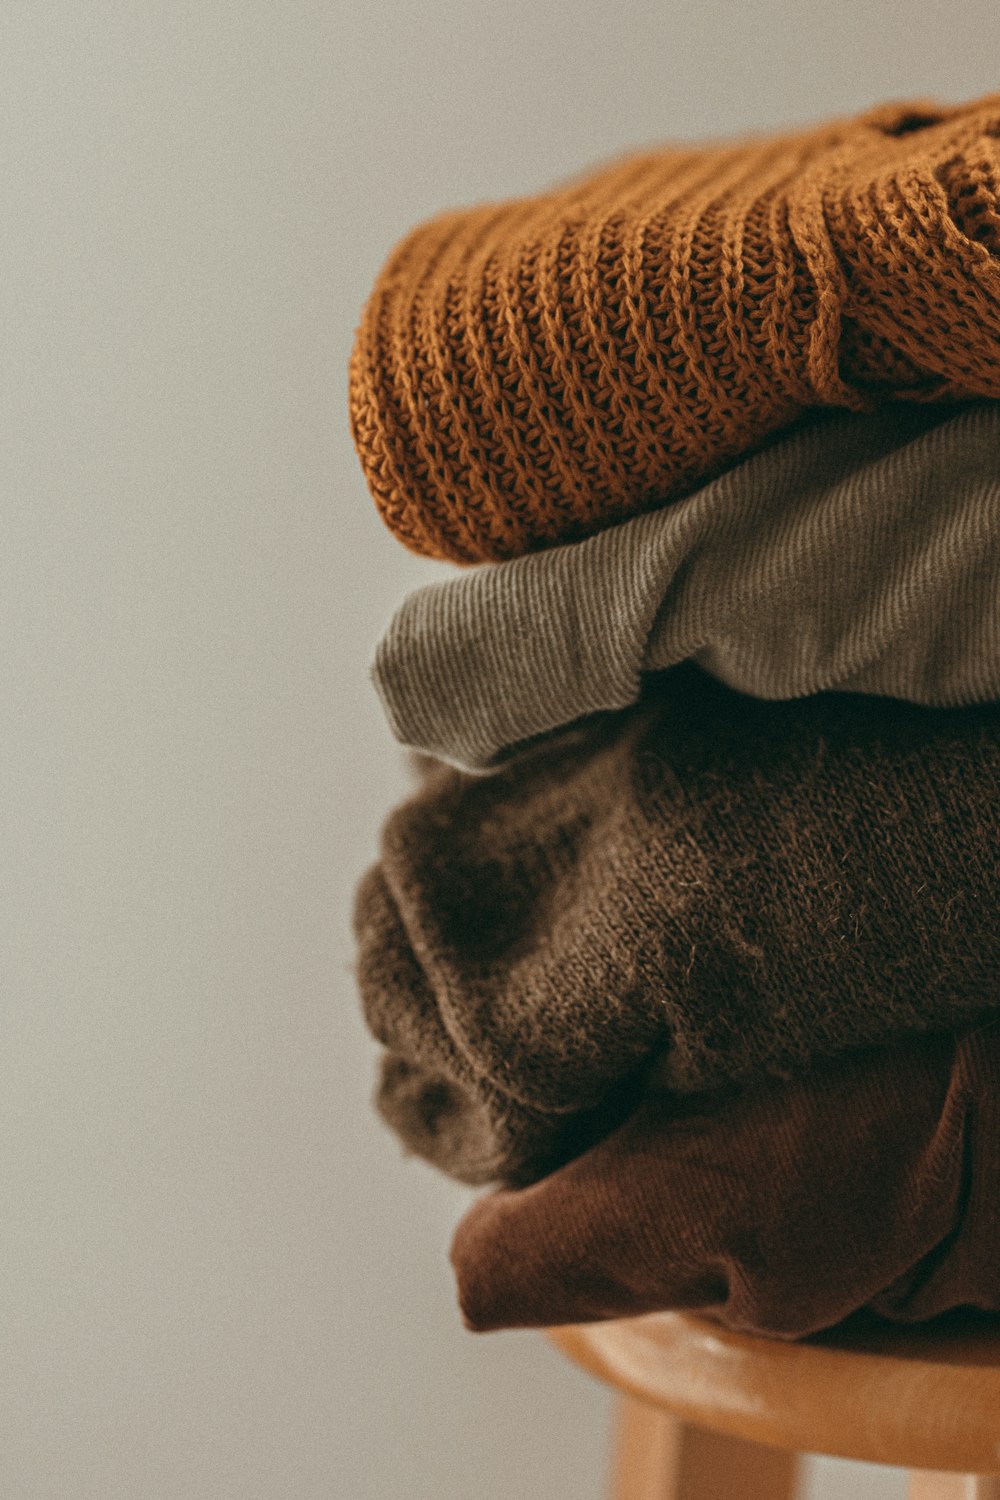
688, 943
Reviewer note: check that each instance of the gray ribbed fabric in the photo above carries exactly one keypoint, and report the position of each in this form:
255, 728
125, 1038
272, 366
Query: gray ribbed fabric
859, 553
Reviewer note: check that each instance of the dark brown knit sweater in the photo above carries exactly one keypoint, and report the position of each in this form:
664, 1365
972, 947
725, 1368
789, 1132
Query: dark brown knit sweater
720, 887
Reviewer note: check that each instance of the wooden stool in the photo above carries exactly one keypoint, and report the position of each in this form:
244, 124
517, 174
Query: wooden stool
711, 1415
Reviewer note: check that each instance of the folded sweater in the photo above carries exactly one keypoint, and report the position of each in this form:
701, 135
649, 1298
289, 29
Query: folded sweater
723, 886
859, 552
530, 372
881, 1190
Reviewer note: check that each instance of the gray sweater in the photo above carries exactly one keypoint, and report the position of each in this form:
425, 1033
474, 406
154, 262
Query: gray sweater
859, 553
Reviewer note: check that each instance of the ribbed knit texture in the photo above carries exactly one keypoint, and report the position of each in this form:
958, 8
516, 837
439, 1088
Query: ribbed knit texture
530, 372
739, 885
874, 1182
859, 552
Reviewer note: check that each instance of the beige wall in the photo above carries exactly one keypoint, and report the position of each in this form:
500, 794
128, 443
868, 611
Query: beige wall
218, 1277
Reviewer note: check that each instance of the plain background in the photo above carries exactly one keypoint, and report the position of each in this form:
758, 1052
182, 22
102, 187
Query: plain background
219, 1279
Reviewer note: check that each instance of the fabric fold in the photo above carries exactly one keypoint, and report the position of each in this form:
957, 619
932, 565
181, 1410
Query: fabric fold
530, 372
859, 552
710, 885
780, 1210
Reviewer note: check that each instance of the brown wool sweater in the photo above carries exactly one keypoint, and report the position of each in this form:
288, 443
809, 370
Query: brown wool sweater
723, 887
531, 372
881, 1190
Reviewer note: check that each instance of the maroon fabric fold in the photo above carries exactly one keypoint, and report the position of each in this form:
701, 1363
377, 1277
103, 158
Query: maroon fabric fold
779, 1209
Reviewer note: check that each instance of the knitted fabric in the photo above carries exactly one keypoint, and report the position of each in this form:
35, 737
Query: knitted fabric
859, 552
881, 1190
530, 372
729, 887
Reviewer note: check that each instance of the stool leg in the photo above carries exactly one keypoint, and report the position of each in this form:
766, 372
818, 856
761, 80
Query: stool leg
928, 1484
659, 1457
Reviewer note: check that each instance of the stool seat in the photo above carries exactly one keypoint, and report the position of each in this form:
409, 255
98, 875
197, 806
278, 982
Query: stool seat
926, 1397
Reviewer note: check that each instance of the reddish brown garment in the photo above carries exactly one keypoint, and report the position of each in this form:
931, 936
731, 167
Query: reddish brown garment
874, 1182
532, 371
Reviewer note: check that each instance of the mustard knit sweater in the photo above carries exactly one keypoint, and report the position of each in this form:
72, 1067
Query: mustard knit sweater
531, 372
